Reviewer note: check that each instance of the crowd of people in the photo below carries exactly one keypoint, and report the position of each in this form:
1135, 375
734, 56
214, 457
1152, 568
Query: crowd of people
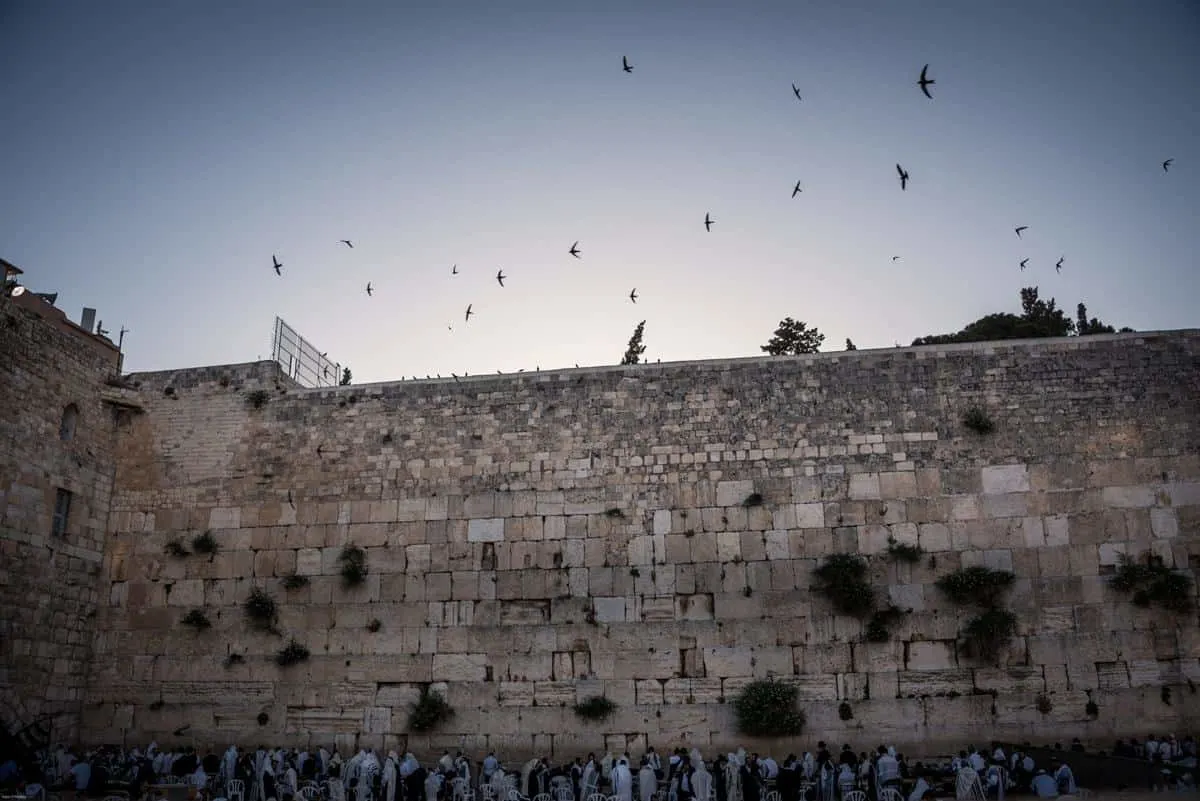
278, 774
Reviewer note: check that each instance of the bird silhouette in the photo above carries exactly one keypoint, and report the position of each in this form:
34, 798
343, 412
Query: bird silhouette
1167, 164
369, 290
708, 221
1019, 229
454, 270
1024, 262
347, 243
625, 64
633, 295
276, 263
796, 92
575, 251
895, 258
903, 177
925, 82
796, 189
1058, 267
467, 318
500, 276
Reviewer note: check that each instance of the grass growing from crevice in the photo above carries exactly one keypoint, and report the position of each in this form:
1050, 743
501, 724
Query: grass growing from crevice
879, 627
985, 635
597, 707
354, 565
977, 420
205, 543
904, 552
258, 398
175, 548
843, 580
845, 712
980, 586
767, 708
294, 582
430, 710
753, 499
261, 609
291, 654
234, 659
1152, 583
197, 620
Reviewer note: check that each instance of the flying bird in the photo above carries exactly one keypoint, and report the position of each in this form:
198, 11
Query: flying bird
1024, 262
500, 276
796, 190
347, 243
708, 221
1167, 164
1019, 229
276, 263
369, 290
625, 64
469, 312
796, 92
925, 82
633, 295
454, 270
1058, 267
895, 258
903, 177
574, 251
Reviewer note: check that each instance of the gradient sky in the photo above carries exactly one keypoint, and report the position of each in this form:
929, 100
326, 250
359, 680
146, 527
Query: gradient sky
156, 153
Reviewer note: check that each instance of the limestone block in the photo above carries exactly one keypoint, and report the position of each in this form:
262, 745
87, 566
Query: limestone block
657, 609
864, 487
225, 517
1005, 479
809, 515
662, 521
930, 656
609, 610
1021, 680
777, 545
554, 693
1110, 553
488, 529
733, 493
923, 683
1144, 673
1130, 497
694, 607
727, 662
648, 691
516, 693
189, 592
729, 546
873, 539
1164, 522
377, 720
1184, 493
704, 547
554, 527
934, 537
1057, 530
1112, 675
897, 485
964, 507
460, 667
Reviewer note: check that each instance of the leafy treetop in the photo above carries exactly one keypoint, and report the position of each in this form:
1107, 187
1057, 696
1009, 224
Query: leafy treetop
1038, 318
633, 353
794, 337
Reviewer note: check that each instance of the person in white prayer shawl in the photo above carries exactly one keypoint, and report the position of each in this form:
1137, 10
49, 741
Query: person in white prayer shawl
654, 761
591, 779
702, 780
433, 785
622, 780
526, 772
391, 773
606, 766
408, 766
199, 778
229, 766
323, 762
499, 790
647, 781
490, 766
446, 763
919, 790
291, 781
1065, 779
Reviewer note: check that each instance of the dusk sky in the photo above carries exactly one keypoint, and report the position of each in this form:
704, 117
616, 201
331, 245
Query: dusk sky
157, 153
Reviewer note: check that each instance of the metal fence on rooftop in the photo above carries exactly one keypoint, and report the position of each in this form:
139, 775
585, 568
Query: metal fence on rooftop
301, 360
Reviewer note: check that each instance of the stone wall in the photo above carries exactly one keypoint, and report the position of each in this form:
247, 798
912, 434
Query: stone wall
534, 540
49, 583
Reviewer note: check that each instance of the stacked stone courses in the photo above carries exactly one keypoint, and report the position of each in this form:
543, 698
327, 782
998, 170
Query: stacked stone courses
538, 539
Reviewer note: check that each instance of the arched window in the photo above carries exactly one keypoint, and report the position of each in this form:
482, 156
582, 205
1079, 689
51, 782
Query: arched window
66, 428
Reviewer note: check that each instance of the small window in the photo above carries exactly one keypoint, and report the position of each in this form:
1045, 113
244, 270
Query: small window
66, 428
62, 512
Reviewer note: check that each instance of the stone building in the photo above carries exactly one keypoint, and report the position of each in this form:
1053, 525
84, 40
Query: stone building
644, 533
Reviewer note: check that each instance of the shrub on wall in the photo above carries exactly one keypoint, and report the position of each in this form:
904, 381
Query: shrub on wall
258, 398
205, 543
197, 620
598, 707
354, 565
978, 585
843, 581
291, 654
767, 708
260, 608
879, 627
294, 582
978, 421
986, 635
1152, 583
904, 552
430, 709
175, 548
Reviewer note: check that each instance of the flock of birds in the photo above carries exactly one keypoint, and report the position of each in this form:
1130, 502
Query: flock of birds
924, 82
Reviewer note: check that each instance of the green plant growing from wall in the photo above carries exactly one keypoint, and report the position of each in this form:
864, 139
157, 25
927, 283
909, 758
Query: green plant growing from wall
879, 627
981, 586
904, 552
374, 626
354, 565
985, 635
261, 609
291, 654
1152, 583
843, 580
234, 659
595, 708
767, 708
753, 499
197, 620
175, 548
258, 398
430, 710
1044, 704
845, 712
294, 582
263, 718
205, 543
977, 420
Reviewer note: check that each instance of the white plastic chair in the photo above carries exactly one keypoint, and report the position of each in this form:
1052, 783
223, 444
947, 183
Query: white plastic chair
854, 795
235, 790
890, 794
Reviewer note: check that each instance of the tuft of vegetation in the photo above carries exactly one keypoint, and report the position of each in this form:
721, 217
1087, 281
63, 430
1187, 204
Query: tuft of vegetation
197, 620
985, 635
258, 398
597, 707
157, 705
793, 338
205, 543
294, 582
844, 711
175, 548
260, 608
978, 585
1044, 705
1038, 318
1092, 709
169, 392
977, 420
633, 353
430, 709
843, 580
263, 718
904, 552
1152, 583
374, 626
879, 627
614, 512
234, 659
633, 571
753, 499
347, 377
1165, 695
223, 380
354, 565
291, 654
767, 708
